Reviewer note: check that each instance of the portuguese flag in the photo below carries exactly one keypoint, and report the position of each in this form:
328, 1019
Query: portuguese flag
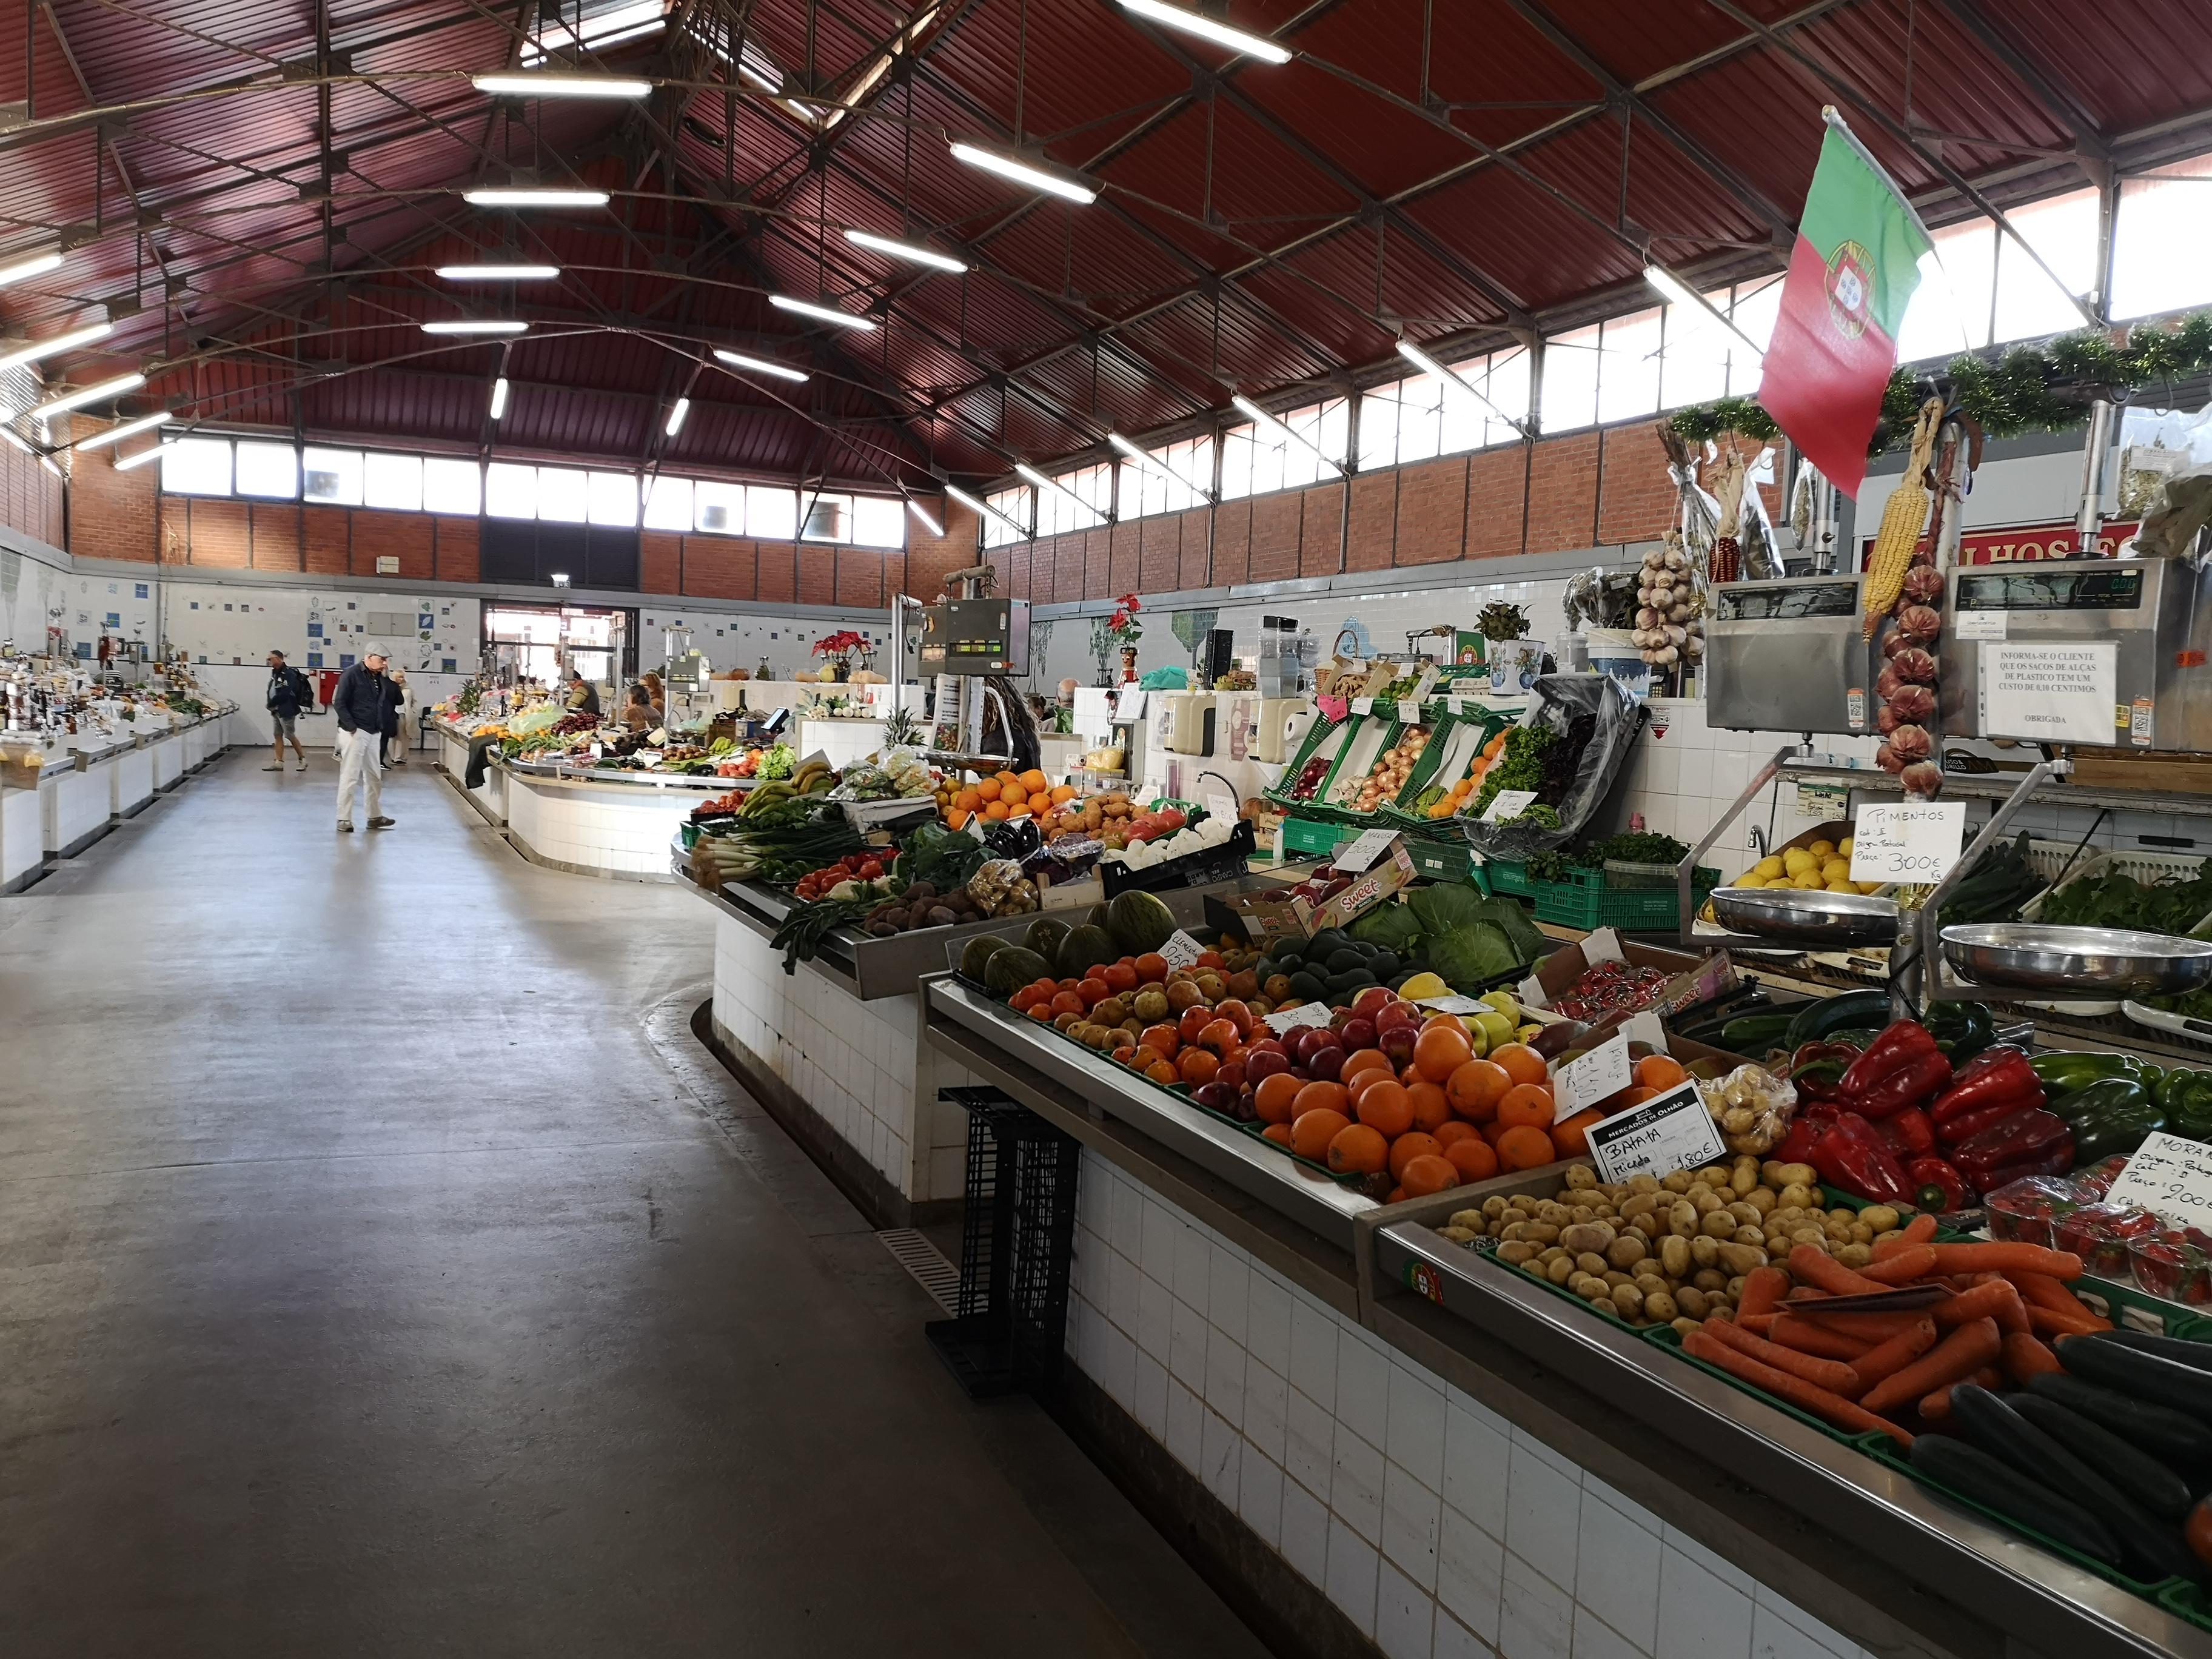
1855, 264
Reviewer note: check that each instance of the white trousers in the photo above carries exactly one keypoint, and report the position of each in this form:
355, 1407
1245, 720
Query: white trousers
360, 766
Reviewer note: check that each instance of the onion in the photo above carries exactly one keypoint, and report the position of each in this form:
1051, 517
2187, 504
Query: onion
1923, 623
1924, 781
1912, 702
1887, 684
1914, 665
1911, 743
1893, 642
1886, 719
1923, 584
1886, 758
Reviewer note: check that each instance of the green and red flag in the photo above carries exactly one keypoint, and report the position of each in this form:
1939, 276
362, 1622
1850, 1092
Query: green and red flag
1855, 264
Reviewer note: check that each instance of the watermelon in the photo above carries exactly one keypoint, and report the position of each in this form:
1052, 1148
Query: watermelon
1139, 922
1010, 967
976, 956
1083, 949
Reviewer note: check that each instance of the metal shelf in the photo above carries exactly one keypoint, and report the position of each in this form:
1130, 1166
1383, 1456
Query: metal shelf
1996, 786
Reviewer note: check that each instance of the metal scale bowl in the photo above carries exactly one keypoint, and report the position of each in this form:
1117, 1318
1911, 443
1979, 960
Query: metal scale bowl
1807, 919
2027, 957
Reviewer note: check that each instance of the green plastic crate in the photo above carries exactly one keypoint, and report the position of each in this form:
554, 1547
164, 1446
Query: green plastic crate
1509, 876
1310, 838
1585, 900
1441, 861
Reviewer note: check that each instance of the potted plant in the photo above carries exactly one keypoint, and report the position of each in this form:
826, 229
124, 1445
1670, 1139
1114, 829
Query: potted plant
1122, 630
841, 648
1515, 658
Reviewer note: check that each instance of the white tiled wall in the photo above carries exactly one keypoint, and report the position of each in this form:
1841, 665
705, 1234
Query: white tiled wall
22, 833
74, 803
625, 830
854, 1062
1441, 1530
168, 757
130, 775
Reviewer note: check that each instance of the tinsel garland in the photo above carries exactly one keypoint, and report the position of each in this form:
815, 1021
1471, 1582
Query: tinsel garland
2031, 388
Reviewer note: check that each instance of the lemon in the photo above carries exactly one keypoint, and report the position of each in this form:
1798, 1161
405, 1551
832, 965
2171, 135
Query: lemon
1796, 861
1750, 879
1822, 850
1423, 985
1838, 884
1769, 867
1869, 887
1809, 880
1836, 869
1845, 845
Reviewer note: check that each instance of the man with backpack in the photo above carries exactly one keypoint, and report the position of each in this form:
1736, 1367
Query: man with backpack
290, 697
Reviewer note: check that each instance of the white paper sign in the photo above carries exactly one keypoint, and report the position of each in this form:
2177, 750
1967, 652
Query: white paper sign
2056, 693
1182, 950
1361, 853
1602, 1073
1452, 1005
1675, 1132
1409, 712
1283, 1021
1456, 705
1220, 807
1979, 625
1129, 706
1363, 705
2170, 1176
1907, 840
1508, 805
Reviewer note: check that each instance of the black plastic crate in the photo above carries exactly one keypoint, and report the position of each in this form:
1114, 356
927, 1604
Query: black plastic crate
1231, 859
1017, 1242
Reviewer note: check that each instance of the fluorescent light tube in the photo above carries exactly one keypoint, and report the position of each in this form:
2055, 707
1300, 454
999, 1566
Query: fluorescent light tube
527, 196
920, 256
1074, 189
477, 326
94, 393
1260, 418
125, 463
975, 506
499, 273
8, 432
499, 398
824, 313
116, 434
1679, 293
920, 517
676, 412
37, 265
759, 365
1174, 17
543, 83
1153, 465
1058, 488
69, 342
1429, 365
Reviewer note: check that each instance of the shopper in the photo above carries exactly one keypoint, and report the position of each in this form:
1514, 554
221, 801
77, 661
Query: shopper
360, 703
639, 714
290, 697
583, 695
399, 705
658, 697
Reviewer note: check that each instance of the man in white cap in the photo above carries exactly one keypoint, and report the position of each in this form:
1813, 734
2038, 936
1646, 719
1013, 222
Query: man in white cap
363, 695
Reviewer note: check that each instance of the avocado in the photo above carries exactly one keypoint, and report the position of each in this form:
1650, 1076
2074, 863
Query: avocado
1306, 987
1347, 961
1325, 943
1384, 965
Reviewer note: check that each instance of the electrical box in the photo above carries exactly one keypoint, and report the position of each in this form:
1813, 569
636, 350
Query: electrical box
976, 636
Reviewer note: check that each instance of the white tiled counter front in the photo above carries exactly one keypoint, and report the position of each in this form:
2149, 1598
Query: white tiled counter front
596, 829
131, 775
489, 796
168, 757
23, 837
76, 806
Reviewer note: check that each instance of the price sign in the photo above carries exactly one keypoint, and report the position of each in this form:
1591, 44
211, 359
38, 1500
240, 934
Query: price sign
1370, 845
1602, 1073
1283, 1021
1409, 712
1452, 1005
1979, 625
1675, 1132
1363, 705
1182, 950
1130, 706
1507, 805
1220, 807
1456, 705
1907, 840
2170, 1176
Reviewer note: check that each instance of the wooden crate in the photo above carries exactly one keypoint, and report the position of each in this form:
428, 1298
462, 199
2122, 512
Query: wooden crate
2166, 774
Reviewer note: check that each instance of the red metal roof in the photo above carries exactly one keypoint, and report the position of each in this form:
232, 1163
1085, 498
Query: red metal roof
1262, 230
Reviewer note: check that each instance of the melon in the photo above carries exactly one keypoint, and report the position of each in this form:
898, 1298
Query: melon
1083, 949
1139, 922
977, 956
1011, 967
1044, 937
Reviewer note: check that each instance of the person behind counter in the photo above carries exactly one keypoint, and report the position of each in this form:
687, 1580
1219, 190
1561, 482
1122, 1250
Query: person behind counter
1009, 729
638, 714
659, 697
583, 695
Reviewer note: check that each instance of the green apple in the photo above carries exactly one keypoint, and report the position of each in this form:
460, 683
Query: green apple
1495, 1028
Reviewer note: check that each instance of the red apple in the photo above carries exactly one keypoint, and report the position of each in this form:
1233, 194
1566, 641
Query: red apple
1260, 1064
1372, 1001
1397, 1045
1327, 1064
1268, 1045
1357, 1032
1395, 1014
1234, 1073
1215, 1096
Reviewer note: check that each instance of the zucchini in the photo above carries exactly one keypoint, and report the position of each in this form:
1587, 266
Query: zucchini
2152, 1547
1752, 1035
1815, 1020
2140, 1374
2152, 1485
2157, 1429
2181, 1349
1980, 1479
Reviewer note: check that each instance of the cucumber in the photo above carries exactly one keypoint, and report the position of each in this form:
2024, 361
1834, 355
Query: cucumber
1754, 1034
2140, 1374
2153, 1546
2157, 1429
2181, 1349
1980, 1479
1816, 1019
2152, 1485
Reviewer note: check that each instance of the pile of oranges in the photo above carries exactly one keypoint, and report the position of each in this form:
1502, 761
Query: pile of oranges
1455, 799
1005, 795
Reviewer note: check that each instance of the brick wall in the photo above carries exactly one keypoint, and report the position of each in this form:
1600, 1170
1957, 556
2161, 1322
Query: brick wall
30, 496
112, 514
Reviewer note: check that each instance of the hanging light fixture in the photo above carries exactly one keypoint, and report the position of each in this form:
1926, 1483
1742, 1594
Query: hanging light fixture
97, 392
116, 434
679, 412
488, 273
37, 265
42, 349
552, 83
128, 462
984, 509
923, 519
1174, 17
477, 326
499, 398
1260, 418
530, 196
759, 365
1073, 188
821, 313
920, 256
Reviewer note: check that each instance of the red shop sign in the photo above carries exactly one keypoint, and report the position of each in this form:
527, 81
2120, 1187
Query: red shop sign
2025, 544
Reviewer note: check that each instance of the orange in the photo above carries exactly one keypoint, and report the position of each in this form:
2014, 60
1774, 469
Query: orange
1472, 1157
1440, 1050
1032, 781
956, 817
1571, 1135
1355, 1089
1020, 809
1387, 1108
1522, 1063
1431, 1111
1278, 1132
1062, 794
1428, 1173
988, 790
1320, 1098
1005, 778
996, 811
1660, 1072
1529, 1104
1272, 1098
967, 800
1452, 1020
1474, 1090
1313, 1131
1452, 1131
1525, 1148
1357, 1150
1165, 1071
1406, 1147
1397, 1195
1365, 1059
1013, 794
1198, 1065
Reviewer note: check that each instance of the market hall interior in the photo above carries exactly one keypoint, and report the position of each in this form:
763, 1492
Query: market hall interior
380, 1273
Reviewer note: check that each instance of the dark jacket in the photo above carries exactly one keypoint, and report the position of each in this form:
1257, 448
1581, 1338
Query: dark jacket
360, 701
288, 692
394, 697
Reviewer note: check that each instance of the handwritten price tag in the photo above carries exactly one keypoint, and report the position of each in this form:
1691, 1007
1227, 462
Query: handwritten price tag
1409, 712
1508, 805
1675, 1132
1907, 840
1283, 1021
2170, 1176
1363, 705
1602, 1073
1182, 950
1370, 846
1220, 807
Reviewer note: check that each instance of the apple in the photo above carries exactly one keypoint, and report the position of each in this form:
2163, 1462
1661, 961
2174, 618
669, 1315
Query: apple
1269, 1045
1215, 1096
1372, 1001
1327, 1064
1260, 1064
1394, 1014
1234, 1073
1397, 1045
1336, 884
1357, 1032
1248, 1109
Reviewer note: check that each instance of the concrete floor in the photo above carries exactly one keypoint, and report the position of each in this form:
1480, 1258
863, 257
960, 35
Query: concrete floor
383, 1270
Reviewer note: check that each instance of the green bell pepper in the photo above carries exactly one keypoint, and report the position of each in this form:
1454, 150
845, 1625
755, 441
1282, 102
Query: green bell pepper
2185, 1096
1962, 1030
2114, 1115
2063, 1073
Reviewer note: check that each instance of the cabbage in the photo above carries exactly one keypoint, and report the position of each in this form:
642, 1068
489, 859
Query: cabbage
1391, 926
1469, 938
1472, 954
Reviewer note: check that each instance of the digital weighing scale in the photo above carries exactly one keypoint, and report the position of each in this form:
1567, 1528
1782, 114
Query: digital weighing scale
1791, 656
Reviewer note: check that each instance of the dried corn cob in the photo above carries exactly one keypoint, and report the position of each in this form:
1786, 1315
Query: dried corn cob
1902, 520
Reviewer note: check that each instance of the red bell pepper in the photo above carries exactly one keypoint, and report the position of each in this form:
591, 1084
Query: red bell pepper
1816, 1070
1852, 1155
1941, 1174
1965, 1126
2000, 1075
2057, 1160
1910, 1133
1914, 1083
1898, 1044
2029, 1137
1805, 1131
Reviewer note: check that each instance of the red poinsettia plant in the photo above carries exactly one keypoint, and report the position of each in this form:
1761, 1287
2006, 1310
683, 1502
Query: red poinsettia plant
837, 644
1122, 627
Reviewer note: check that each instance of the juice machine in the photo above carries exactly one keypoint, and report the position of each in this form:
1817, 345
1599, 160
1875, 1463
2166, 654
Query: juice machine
1791, 656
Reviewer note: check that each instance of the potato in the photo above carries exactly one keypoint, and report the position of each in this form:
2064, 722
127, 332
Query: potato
1861, 1233
1540, 1232
1721, 1311
1741, 1259
1641, 1204
1844, 1214
1746, 1215
1881, 1216
1706, 1202
1717, 1223
1686, 1325
1474, 1219
1750, 1235
1691, 1300
1513, 1231
1677, 1182
1591, 1261
1642, 1183
1796, 1174
1648, 1225
1561, 1270
1712, 1174
1614, 1279
1628, 1302
1796, 1195
1581, 1214
1589, 1287
1595, 1236
1710, 1280
1552, 1253
1581, 1178
1734, 1290
1659, 1307
1551, 1211
1705, 1252
1494, 1207
1457, 1235
1738, 1120
1855, 1255
1675, 1257
1812, 1236
1626, 1250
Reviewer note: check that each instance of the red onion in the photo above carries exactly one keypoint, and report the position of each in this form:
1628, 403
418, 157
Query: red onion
1923, 585
1915, 665
1888, 760
1911, 703
1923, 623
1888, 682
1911, 743
1895, 641
1886, 717
1924, 780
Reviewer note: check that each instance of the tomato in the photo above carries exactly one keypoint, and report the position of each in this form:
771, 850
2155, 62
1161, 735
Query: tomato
871, 871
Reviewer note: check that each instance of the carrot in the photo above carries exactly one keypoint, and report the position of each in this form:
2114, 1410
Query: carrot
2027, 1258
1762, 1323
1868, 1327
1921, 1230
1763, 1289
1811, 1265
1936, 1407
2040, 1290
1823, 1403
1807, 1338
1902, 1267
2027, 1356
2049, 1321
1885, 1359
1989, 1377
1956, 1358
1998, 1300
1830, 1374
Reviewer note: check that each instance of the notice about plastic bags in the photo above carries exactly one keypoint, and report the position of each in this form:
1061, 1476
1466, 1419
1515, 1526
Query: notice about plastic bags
2050, 693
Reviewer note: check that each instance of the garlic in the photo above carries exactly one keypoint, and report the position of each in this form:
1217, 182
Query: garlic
1675, 633
1647, 618
1676, 559
1679, 613
1668, 654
